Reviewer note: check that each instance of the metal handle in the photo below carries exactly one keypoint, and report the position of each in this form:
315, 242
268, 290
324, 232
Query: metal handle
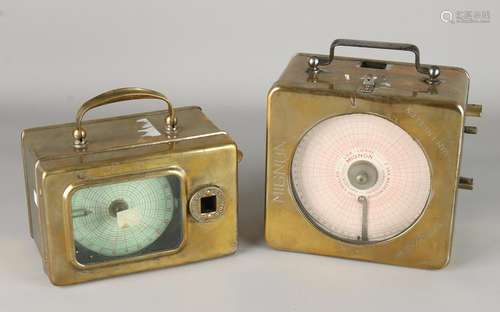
432, 71
119, 95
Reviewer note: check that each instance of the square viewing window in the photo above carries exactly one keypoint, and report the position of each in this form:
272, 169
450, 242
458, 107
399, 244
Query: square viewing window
209, 204
127, 219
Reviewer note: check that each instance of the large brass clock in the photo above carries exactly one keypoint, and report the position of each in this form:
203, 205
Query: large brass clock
363, 156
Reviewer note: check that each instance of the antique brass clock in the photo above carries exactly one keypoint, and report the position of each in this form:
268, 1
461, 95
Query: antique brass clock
363, 157
138, 192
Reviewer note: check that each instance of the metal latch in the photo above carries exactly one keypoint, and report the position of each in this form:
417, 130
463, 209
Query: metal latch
368, 83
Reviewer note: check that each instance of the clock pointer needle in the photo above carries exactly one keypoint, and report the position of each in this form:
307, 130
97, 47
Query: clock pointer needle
81, 212
364, 217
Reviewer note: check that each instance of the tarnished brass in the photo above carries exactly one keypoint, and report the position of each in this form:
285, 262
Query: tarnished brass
470, 129
473, 110
119, 95
432, 113
465, 183
122, 149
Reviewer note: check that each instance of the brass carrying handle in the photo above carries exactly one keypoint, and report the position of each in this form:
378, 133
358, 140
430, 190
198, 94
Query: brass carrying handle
432, 71
119, 95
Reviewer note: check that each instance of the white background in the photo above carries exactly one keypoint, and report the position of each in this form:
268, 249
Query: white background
224, 56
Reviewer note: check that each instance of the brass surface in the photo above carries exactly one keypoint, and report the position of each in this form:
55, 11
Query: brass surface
432, 114
119, 95
474, 110
195, 204
465, 183
125, 148
470, 129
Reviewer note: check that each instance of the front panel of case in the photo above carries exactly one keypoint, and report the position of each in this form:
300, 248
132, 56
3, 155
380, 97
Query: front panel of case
132, 215
423, 240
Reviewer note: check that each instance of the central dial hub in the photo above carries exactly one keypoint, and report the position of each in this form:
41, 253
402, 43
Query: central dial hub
116, 206
362, 174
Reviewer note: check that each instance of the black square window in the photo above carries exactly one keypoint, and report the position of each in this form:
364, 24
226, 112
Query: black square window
208, 204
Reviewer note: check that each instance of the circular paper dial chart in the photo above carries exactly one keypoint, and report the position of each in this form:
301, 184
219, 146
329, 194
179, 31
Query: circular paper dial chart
122, 218
360, 178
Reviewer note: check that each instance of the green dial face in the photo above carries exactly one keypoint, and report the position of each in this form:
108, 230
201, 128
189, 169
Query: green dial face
125, 219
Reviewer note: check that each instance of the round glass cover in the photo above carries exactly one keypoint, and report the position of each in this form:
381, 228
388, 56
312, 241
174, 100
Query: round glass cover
360, 178
120, 219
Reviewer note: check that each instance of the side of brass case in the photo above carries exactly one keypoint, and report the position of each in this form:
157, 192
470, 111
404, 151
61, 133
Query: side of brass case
120, 149
432, 112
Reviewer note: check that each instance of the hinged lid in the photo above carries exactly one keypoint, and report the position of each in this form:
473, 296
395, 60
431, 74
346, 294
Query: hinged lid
382, 80
119, 133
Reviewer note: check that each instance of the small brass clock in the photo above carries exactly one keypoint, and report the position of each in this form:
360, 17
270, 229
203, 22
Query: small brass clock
363, 157
130, 193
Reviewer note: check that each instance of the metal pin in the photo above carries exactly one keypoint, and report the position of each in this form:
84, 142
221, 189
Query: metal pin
470, 129
465, 183
473, 110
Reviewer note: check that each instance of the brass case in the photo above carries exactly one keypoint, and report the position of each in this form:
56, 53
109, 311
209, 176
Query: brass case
433, 114
198, 152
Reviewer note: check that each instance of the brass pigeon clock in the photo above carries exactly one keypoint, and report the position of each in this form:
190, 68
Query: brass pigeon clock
363, 157
130, 193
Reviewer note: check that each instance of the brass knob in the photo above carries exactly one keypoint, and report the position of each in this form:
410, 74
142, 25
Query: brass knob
466, 183
80, 136
473, 110
470, 129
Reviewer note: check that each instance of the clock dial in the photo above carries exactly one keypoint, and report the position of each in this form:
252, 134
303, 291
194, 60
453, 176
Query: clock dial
121, 219
360, 178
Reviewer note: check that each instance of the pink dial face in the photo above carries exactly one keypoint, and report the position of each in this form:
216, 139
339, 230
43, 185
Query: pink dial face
360, 177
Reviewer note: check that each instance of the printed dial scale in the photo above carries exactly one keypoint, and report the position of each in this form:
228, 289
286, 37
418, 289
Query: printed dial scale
360, 177
124, 218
